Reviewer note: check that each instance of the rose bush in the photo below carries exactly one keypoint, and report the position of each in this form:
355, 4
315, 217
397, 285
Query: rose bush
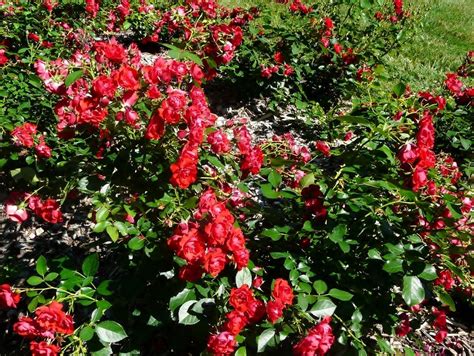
207, 238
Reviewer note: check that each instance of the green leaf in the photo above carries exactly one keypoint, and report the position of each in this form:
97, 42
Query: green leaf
340, 294
323, 307
136, 243
241, 351
72, 77
101, 214
399, 89
320, 286
274, 178
103, 288
273, 233
87, 333
264, 338
307, 180
180, 298
100, 227
34, 280
112, 232
90, 266
41, 266
393, 266
244, 276
110, 331
51, 276
268, 192
184, 317
337, 234
413, 291
446, 299
429, 273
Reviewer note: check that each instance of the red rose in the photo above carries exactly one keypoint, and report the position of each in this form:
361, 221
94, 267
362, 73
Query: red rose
219, 228
222, 344
191, 246
419, 178
241, 258
256, 311
219, 142
323, 147
104, 86
42, 149
184, 172
27, 327
49, 211
112, 50
43, 349
235, 323
190, 273
241, 298
214, 261
235, 240
3, 57
156, 127
252, 161
52, 317
127, 78
408, 153
274, 310
318, 341
283, 292
23, 135
8, 299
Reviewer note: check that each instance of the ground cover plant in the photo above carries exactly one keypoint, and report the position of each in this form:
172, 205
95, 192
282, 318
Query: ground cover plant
173, 230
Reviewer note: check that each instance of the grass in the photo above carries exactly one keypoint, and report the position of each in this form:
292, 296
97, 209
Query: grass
445, 35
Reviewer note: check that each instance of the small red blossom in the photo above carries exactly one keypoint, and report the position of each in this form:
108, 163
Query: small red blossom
8, 299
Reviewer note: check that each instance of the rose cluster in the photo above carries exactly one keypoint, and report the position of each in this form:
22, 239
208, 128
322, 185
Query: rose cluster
50, 322
26, 136
16, 203
317, 342
211, 242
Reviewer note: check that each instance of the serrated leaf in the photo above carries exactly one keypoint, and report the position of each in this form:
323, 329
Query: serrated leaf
112, 232
180, 298
41, 266
340, 294
393, 266
51, 276
413, 291
446, 299
323, 307
72, 77
101, 214
90, 265
86, 333
244, 276
110, 331
136, 243
337, 234
320, 286
264, 338
268, 192
429, 273
34, 280
184, 317
274, 178
241, 351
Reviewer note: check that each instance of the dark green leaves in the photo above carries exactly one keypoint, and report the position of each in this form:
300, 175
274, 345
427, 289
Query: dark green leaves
90, 266
413, 291
72, 77
110, 331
